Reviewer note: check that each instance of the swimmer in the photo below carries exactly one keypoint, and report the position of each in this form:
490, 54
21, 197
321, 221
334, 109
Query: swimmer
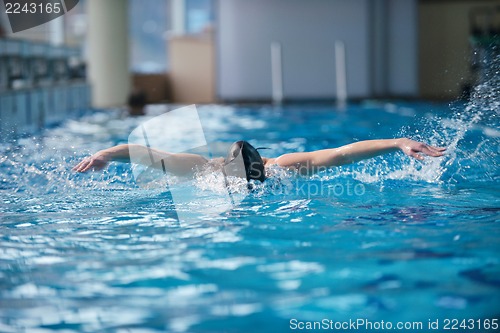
186, 164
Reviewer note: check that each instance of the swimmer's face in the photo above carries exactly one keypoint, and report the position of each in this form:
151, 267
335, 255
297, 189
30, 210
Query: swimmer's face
244, 161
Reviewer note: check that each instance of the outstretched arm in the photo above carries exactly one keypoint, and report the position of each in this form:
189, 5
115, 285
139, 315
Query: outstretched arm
180, 164
354, 152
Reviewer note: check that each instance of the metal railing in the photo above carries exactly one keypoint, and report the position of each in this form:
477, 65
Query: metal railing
40, 85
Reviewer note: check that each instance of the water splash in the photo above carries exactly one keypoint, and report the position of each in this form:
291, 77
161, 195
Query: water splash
471, 136
46, 174
480, 114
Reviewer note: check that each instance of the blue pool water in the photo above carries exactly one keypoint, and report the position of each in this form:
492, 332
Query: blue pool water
389, 239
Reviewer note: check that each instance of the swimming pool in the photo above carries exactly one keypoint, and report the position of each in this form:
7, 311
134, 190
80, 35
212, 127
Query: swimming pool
389, 239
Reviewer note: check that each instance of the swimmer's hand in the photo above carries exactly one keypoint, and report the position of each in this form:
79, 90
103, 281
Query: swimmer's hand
98, 161
415, 149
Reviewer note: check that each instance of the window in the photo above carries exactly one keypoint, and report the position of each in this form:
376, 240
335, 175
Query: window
149, 22
199, 15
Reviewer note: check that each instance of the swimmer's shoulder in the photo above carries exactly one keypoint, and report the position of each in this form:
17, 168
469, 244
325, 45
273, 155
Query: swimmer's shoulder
216, 161
268, 161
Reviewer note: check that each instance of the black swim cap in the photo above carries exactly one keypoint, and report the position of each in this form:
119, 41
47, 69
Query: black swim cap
254, 166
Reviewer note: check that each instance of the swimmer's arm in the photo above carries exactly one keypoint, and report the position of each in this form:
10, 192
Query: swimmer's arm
177, 163
311, 161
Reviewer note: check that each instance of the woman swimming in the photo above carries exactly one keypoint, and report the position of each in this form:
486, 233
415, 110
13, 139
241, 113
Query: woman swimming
186, 164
